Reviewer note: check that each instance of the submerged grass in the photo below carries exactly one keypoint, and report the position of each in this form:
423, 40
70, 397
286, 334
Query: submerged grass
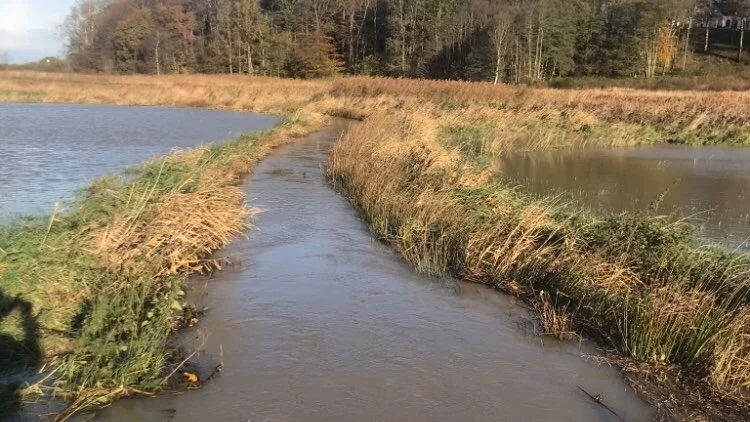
105, 283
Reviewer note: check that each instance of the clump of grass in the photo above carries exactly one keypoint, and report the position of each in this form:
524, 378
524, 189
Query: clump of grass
555, 321
636, 282
469, 139
103, 281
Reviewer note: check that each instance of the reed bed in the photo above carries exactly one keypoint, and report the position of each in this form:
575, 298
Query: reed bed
678, 108
635, 282
614, 116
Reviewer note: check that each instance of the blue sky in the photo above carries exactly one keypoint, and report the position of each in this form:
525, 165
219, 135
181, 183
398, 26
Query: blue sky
29, 28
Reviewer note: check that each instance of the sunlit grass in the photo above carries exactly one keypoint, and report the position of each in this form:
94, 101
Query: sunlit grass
420, 168
104, 280
637, 282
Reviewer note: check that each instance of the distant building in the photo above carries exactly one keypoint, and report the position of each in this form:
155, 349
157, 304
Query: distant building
723, 14
728, 22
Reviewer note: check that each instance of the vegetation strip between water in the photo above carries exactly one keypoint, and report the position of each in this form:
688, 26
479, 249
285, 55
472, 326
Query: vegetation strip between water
636, 282
94, 292
420, 168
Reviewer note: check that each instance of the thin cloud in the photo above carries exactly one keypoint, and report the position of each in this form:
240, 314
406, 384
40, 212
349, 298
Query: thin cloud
28, 28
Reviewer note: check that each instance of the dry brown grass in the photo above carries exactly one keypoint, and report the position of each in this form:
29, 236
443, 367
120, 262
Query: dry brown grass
415, 168
612, 105
183, 229
529, 118
622, 279
556, 321
219, 92
732, 358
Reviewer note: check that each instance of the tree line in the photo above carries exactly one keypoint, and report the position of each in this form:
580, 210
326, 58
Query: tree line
490, 40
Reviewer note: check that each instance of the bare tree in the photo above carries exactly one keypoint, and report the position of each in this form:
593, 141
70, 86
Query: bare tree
80, 27
703, 10
4, 58
349, 10
249, 30
688, 10
502, 13
742, 11
224, 20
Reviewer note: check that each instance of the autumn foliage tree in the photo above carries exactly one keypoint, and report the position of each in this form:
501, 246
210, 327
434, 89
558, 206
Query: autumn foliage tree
313, 56
666, 49
489, 40
173, 36
130, 41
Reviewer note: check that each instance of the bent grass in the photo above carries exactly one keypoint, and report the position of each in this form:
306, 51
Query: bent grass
106, 277
636, 282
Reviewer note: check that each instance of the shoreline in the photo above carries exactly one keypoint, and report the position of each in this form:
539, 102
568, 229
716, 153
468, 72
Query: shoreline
113, 269
444, 131
634, 282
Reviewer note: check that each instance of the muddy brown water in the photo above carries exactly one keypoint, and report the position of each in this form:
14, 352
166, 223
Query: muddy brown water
48, 151
323, 323
709, 185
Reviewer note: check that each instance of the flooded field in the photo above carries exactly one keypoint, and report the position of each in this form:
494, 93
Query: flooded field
710, 186
50, 150
320, 322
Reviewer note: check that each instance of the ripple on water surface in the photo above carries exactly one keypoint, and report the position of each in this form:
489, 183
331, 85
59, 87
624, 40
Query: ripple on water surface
48, 151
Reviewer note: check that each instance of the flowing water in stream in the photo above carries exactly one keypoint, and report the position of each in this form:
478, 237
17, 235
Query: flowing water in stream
323, 323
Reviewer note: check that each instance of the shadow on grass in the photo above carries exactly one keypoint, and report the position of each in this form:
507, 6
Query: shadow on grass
19, 349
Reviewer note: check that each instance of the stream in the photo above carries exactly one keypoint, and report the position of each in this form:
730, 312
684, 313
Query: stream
318, 321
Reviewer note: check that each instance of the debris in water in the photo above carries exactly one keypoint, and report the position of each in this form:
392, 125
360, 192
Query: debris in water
598, 398
190, 377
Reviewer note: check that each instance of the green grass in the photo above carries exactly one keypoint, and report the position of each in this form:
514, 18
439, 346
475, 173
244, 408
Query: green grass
95, 295
19, 96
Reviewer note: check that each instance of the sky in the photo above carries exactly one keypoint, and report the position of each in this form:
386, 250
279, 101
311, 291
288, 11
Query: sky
29, 28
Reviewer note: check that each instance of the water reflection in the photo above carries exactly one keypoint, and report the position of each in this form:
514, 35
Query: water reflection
710, 186
48, 151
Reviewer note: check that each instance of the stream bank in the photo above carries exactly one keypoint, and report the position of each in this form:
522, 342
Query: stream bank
318, 321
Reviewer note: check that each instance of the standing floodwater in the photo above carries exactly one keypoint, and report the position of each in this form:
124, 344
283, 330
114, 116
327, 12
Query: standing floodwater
50, 150
323, 323
709, 185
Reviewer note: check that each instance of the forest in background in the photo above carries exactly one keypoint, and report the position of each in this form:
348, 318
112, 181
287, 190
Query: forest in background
482, 40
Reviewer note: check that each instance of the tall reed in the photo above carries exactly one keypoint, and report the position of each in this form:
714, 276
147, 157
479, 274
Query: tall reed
636, 282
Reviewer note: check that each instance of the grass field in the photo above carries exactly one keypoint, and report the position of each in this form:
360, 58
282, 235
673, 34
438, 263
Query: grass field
419, 168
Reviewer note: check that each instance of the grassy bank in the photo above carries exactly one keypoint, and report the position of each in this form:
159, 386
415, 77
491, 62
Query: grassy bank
715, 71
94, 292
635, 282
420, 168
535, 117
